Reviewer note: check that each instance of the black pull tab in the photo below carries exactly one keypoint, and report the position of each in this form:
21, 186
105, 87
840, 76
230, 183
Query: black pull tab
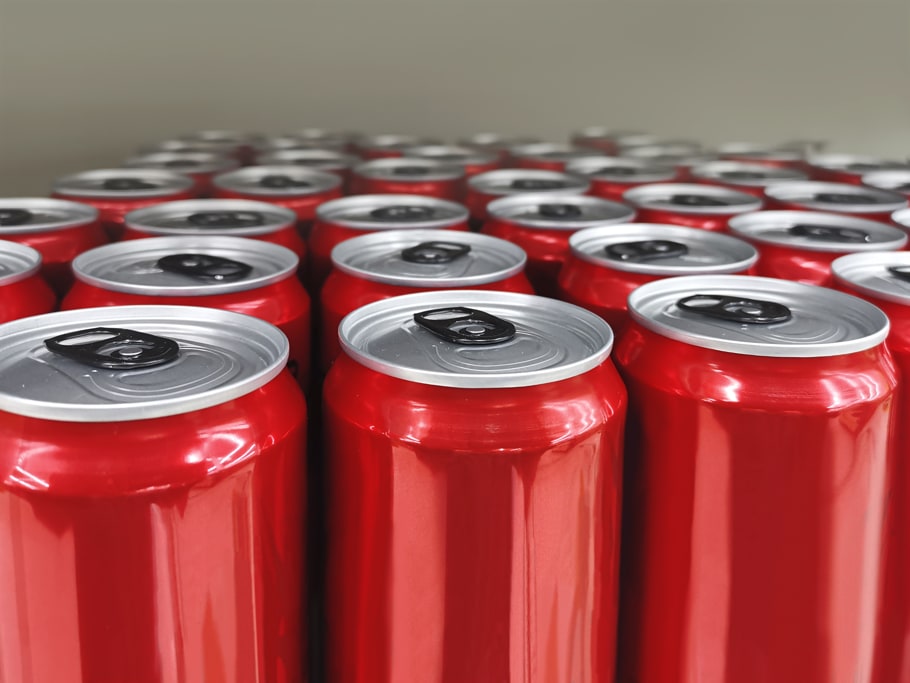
403, 213
282, 182
532, 184
736, 309
11, 217
844, 198
466, 326
560, 211
900, 272
830, 233
743, 175
645, 250
695, 200
114, 348
127, 184
205, 267
618, 171
435, 252
226, 219
411, 171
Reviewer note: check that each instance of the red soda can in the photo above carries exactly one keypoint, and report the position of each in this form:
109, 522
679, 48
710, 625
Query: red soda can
800, 245
387, 145
758, 475
609, 141
23, 292
542, 224
611, 176
605, 265
487, 187
325, 160
229, 273
117, 191
391, 263
459, 424
548, 156
767, 155
59, 230
691, 205
895, 181
409, 176
151, 498
854, 200
471, 160
749, 178
850, 168
496, 144
229, 217
349, 217
238, 143
200, 166
296, 188
883, 278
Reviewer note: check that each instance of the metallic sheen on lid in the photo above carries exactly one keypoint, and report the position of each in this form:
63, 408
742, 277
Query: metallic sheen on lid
366, 212
17, 262
133, 266
746, 174
753, 150
509, 181
393, 141
191, 147
559, 212
126, 183
846, 198
449, 154
21, 215
722, 200
895, 181
821, 321
233, 137
704, 252
381, 257
553, 341
551, 151
621, 169
666, 148
406, 169
278, 143
855, 163
221, 356
183, 162
184, 218
320, 159
878, 274
668, 156
277, 181
778, 227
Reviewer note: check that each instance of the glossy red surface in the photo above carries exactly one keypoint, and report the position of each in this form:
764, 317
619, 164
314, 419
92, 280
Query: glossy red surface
540, 163
473, 533
714, 222
156, 551
112, 212
798, 265
31, 296
452, 189
755, 502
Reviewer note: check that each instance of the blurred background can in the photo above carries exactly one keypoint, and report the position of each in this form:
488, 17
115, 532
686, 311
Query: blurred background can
487, 187
23, 292
409, 176
690, 205
610, 177
854, 200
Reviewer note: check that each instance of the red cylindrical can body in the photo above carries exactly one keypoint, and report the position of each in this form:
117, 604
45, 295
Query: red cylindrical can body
409, 176
690, 205
854, 200
611, 177
487, 187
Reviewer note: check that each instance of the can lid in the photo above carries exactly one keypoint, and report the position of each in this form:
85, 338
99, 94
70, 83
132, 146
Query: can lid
837, 197
19, 215
17, 262
393, 141
277, 181
429, 258
748, 175
752, 150
450, 154
321, 134
666, 148
211, 217
321, 159
855, 163
690, 198
655, 249
406, 169
559, 212
628, 139
621, 169
392, 212
224, 148
183, 162
495, 141
896, 181
510, 181
126, 183
121, 363
551, 151
758, 316
658, 154
221, 136
817, 231
185, 266
277, 143
476, 339
879, 274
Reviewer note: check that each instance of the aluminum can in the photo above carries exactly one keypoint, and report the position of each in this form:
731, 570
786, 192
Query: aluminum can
200, 166
745, 177
605, 265
767, 155
883, 278
409, 176
381, 265
228, 273
895, 181
854, 200
494, 143
800, 245
389, 145
471, 160
179, 146
609, 141
487, 187
59, 230
325, 160
690, 205
151, 498
23, 292
757, 481
454, 444
548, 156
117, 191
610, 177
850, 168
542, 224
349, 217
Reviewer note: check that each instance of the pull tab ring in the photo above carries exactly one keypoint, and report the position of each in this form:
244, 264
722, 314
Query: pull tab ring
466, 326
435, 252
830, 233
560, 211
114, 348
12, 217
736, 309
644, 251
900, 272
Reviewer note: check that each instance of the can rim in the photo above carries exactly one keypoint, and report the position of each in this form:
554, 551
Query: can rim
714, 170
499, 209
495, 140
134, 219
784, 192
30, 257
245, 180
840, 265
208, 162
83, 214
325, 159
589, 167
171, 183
327, 212
392, 141
645, 197
887, 180
451, 154
384, 169
551, 151
755, 150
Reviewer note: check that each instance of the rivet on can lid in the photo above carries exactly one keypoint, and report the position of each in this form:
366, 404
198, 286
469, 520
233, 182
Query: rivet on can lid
114, 348
205, 266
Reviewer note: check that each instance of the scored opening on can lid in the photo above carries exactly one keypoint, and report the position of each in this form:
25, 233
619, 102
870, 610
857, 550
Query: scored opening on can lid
211, 217
509, 181
322, 159
856, 163
17, 262
620, 169
692, 199
21, 215
391, 212
185, 266
481, 340
879, 274
656, 249
128, 183
743, 173
277, 181
838, 197
758, 316
408, 169
121, 363
559, 212
817, 231
184, 162
429, 258
895, 181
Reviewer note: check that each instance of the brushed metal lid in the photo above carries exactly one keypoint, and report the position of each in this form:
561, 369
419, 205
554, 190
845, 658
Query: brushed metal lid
392, 212
495, 142
759, 151
621, 169
508, 181
125, 183
836, 197
559, 212
878, 274
393, 141
817, 231
184, 162
692, 199
551, 151
277, 181
237, 217
320, 159
746, 174
22, 215
450, 154
407, 169
856, 163
17, 262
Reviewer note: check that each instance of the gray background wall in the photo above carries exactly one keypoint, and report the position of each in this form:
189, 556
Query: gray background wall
83, 82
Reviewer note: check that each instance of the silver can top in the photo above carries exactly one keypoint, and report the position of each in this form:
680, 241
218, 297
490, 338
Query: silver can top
836, 197
551, 151
692, 198
124, 183
17, 262
408, 170
559, 212
817, 231
855, 163
277, 181
476, 339
879, 274
758, 316
184, 162
752, 150
429, 258
320, 159
746, 174
896, 181
277, 143
238, 217
393, 141
902, 218
185, 266
621, 169
495, 141
655, 249
392, 212
123, 363
19, 215
222, 148
450, 154
510, 181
